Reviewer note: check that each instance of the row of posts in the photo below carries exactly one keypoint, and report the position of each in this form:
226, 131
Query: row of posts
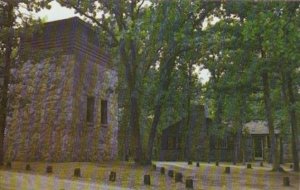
147, 181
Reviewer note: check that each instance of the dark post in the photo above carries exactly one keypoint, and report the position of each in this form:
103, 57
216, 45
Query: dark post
249, 166
261, 164
291, 166
190, 162
162, 170
49, 169
217, 163
189, 183
171, 173
28, 168
198, 164
77, 172
286, 181
227, 170
154, 167
146, 179
112, 176
178, 177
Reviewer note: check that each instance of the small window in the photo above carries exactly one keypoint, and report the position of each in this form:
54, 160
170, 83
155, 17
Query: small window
103, 111
90, 109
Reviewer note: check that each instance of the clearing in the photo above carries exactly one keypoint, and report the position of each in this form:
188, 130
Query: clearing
130, 176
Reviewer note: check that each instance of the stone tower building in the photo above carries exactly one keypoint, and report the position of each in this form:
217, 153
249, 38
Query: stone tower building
63, 107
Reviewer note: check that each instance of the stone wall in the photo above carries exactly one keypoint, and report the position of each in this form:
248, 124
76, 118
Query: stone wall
47, 119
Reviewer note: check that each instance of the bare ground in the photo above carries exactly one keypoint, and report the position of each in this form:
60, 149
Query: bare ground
130, 176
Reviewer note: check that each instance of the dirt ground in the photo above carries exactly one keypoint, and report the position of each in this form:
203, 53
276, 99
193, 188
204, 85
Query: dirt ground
130, 176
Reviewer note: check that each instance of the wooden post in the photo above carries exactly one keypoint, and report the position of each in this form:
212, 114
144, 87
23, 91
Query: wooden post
227, 170
198, 164
286, 181
162, 170
147, 180
49, 169
28, 168
249, 166
190, 162
77, 172
189, 183
171, 173
217, 163
154, 167
291, 166
112, 176
261, 164
178, 177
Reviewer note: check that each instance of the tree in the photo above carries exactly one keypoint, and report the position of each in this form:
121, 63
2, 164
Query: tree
265, 30
184, 24
9, 41
136, 32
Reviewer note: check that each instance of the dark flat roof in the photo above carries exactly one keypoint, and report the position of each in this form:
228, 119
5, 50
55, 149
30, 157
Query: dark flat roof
71, 35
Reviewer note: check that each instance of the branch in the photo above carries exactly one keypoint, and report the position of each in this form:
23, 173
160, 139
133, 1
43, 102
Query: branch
93, 19
139, 7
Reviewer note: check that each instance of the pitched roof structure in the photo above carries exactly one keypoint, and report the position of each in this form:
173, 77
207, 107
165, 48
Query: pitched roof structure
258, 128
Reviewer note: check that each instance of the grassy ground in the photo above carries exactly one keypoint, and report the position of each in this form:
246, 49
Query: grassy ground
207, 176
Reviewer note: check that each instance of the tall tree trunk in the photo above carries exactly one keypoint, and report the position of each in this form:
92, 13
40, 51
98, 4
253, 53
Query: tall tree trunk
165, 80
188, 118
129, 61
269, 115
285, 101
124, 134
135, 127
293, 120
236, 145
157, 114
4, 100
240, 122
219, 122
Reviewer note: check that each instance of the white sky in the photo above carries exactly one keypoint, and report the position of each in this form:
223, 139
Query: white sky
58, 12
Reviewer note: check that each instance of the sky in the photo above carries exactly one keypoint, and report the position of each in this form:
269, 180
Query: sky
58, 12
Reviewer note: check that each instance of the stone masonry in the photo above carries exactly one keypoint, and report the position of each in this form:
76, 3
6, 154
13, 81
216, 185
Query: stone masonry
48, 108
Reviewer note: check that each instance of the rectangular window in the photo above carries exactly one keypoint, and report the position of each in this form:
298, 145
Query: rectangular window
90, 109
103, 111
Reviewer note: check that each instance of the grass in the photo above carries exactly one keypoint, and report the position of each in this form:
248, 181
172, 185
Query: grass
129, 175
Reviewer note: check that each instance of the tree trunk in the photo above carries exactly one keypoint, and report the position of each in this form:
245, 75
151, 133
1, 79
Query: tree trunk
4, 100
124, 134
219, 123
240, 122
135, 127
157, 114
269, 115
188, 118
165, 80
129, 61
293, 120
